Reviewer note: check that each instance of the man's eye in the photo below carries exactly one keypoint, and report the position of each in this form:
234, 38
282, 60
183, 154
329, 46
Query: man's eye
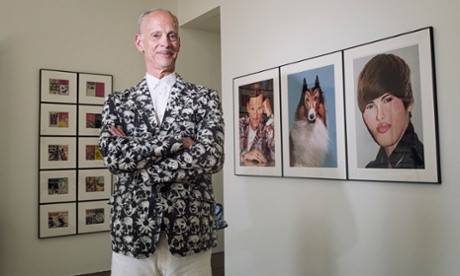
173, 36
388, 99
369, 106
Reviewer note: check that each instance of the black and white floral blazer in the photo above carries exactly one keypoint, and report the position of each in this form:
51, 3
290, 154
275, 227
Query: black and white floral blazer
160, 186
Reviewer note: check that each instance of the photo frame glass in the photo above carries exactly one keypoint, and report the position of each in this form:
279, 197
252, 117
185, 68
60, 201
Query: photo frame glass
407, 131
57, 186
94, 184
313, 124
58, 119
57, 220
93, 216
94, 88
58, 86
89, 155
258, 138
58, 152
89, 120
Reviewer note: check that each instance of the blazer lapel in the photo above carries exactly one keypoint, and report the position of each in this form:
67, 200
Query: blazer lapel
173, 107
143, 101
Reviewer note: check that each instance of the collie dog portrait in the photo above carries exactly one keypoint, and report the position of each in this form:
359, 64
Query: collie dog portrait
309, 136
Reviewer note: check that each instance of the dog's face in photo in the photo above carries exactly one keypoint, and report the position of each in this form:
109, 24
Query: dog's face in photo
311, 105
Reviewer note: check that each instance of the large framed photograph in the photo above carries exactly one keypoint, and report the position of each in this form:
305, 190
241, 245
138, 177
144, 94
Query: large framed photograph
89, 155
93, 216
257, 127
58, 152
93, 88
94, 184
391, 109
58, 86
313, 124
58, 119
89, 120
58, 186
58, 220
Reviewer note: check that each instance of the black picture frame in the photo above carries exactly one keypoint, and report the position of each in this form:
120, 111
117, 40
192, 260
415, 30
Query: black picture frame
416, 49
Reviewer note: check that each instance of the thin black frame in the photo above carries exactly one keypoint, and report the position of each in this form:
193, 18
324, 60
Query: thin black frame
325, 142
83, 226
269, 77
416, 48
68, 97
45, 231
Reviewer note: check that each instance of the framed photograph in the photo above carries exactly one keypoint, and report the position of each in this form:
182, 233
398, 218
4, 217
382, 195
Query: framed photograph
89, 120
58, 152
94, 184
313, 124
89, 155
58, 119
57, 186
93, 89
58, 86
257, 124
93, 216
58, 220
391, 109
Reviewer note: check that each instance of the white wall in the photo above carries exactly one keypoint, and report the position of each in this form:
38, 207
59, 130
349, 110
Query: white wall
295, 226
190, 10
84, 36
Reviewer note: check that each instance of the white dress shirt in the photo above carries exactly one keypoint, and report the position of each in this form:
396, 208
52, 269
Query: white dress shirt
160, 89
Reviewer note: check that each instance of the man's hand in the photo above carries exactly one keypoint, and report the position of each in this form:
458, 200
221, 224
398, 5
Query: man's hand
255, 156
187, 142
267, 107
117, 132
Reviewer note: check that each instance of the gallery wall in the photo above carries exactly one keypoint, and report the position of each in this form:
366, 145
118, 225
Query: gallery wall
78, 36
301, 226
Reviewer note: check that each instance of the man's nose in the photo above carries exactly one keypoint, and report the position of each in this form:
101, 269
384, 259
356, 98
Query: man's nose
165, 41
380, 114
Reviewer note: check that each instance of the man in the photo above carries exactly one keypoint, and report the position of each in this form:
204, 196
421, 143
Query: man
163, 139
257, 134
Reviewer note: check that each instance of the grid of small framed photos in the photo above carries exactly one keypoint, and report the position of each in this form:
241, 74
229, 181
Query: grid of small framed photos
74, 185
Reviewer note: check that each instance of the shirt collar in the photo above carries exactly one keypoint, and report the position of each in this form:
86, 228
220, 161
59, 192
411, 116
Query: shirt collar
169, 80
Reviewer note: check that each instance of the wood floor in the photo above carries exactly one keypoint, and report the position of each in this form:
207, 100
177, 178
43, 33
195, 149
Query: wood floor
217, 263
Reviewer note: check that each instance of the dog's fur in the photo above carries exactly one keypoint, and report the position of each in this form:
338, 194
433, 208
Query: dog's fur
309, 137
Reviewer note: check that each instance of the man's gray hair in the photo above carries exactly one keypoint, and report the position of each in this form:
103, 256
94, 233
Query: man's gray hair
144, 14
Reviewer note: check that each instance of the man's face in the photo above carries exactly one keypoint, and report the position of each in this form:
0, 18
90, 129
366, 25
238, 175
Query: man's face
387, 119
160, 42
255, 110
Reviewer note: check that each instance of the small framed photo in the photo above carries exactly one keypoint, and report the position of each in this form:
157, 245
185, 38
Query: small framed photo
313, 118
58, 220
391, 109
257, 124
93, 216
58, 86
94, 88
89, 120
89, 155
58, 119
58, 152
94, 184
57, 186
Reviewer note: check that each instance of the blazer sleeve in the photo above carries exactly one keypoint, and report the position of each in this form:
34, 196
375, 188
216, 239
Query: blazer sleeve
131, 153
205, 157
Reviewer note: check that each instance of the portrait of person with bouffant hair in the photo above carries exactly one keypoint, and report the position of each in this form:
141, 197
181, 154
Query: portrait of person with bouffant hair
386, 101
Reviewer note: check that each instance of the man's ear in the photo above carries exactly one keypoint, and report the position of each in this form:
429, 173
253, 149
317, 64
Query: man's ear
410, 106
138, 42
